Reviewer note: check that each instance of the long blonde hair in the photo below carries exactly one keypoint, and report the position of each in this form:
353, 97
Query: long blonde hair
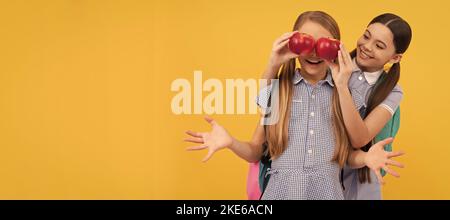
277, 134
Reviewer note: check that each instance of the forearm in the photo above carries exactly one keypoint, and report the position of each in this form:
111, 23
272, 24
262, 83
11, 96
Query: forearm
356, 128
248, 151
357, 159
270, 72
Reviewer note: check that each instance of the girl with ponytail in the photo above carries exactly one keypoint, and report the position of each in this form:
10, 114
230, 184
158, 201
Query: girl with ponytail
369, 95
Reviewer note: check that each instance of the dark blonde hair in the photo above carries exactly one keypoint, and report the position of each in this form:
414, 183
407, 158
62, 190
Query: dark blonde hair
277, 134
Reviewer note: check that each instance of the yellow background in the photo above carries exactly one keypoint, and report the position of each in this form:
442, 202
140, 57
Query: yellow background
85, 93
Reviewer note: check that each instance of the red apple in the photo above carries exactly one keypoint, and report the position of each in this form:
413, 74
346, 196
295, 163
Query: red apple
327, 48
301, 44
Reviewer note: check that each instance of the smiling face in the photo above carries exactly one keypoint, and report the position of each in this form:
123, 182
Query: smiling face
375, 48
311, 64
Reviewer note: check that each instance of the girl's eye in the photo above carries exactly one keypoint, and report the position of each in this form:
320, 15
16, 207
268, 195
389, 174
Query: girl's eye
366, 37
380, 46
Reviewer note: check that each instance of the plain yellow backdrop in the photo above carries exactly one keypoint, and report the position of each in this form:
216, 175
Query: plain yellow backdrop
85, 93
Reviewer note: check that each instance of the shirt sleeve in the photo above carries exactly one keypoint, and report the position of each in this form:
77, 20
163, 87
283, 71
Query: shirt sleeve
354, 86
262, 100
358, 99
393, 100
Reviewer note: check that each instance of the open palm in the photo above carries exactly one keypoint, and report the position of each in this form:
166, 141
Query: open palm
377, 158
217, 139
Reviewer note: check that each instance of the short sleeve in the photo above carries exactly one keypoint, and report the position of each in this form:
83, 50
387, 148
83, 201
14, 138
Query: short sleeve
393, 100
262, 100
358, 99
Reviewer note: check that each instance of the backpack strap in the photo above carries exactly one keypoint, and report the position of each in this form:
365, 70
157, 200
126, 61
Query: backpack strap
265, 162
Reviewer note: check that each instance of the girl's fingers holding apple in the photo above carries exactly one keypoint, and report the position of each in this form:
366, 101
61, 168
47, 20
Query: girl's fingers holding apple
288, 35
342, 48
347, 57
340, 59
281, 45
284, 37
344, 55
292, 33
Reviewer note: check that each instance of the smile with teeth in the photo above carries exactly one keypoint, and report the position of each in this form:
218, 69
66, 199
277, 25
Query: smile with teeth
364, 55
314, 61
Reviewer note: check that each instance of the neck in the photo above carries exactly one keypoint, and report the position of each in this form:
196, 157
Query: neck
369, 69
313, 79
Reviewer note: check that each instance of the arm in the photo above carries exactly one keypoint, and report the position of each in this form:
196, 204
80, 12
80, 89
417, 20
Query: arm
375, 159
280, 54
250, 151
360, 131
218, 138
356, 159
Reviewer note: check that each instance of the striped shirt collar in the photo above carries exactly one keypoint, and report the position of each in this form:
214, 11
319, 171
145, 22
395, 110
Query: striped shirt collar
298, 77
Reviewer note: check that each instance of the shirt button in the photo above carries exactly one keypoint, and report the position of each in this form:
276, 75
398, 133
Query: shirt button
360, 77
309, 151
311, 132
312, 96
312, 114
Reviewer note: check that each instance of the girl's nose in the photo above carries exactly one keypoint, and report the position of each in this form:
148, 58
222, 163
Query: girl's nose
367, 47
313, 52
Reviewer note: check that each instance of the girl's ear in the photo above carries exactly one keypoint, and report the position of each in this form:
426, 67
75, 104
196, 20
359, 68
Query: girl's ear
396, 58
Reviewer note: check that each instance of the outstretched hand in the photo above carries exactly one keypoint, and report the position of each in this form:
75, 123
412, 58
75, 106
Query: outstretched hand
216, 139
377, 158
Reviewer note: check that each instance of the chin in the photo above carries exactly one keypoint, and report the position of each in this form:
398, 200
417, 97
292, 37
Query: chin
313, 72
368, 65
360, 62
365, 61
314, 69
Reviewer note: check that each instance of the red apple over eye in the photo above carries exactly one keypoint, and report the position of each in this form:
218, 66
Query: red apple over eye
301, 44
327, 48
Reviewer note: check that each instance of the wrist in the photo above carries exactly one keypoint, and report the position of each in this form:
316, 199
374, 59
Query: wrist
271, 72
233, 144
364, 157
342, 87
274, 66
